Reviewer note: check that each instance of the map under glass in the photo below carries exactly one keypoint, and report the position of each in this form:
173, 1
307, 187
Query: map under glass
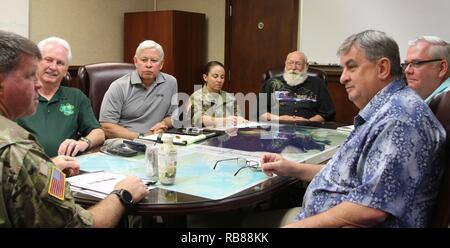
195, 173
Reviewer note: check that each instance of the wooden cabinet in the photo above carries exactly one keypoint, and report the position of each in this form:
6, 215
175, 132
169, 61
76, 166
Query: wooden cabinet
182, 36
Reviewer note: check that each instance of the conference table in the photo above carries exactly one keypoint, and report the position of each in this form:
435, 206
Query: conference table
174, 206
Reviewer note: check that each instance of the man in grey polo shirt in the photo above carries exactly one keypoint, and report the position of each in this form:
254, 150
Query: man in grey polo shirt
140, 103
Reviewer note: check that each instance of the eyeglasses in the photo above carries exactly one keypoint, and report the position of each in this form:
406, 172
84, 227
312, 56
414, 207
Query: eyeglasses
417, 63
242, 163
297, 63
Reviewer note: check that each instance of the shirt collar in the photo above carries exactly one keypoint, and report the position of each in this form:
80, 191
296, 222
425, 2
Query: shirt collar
378, 101
444, 86
210, 97
59, 95
135, 79
206, 91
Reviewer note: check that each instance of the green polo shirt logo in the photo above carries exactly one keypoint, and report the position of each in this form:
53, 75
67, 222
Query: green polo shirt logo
67, 109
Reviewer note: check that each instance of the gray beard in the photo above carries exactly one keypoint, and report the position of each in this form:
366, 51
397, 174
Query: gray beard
294, 79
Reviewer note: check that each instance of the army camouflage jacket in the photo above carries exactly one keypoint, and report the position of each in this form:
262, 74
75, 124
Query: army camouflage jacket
202, 102
25, 177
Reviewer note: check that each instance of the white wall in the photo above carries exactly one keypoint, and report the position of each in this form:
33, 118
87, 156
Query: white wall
94, 28
14, 16
326, 23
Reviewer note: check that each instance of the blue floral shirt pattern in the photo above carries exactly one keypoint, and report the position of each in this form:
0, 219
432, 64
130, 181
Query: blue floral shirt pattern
388, 162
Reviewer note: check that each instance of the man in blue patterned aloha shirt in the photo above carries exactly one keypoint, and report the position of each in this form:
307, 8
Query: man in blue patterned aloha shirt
386, 173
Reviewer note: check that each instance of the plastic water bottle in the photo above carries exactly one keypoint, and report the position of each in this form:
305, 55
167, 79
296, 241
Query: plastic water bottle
167, 161
151, 163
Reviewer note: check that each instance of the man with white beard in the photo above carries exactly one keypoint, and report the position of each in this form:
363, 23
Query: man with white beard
296, 96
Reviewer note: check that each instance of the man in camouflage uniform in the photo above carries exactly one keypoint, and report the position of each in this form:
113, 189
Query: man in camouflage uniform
33, 191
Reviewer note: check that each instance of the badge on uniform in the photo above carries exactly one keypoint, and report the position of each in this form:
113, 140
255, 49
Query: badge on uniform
57, 184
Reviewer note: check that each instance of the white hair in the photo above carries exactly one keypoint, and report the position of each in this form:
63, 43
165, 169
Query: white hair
439, 48
58, 41
294, 78
146, 44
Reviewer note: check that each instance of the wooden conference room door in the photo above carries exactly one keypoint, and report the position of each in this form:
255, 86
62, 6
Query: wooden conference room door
259, 34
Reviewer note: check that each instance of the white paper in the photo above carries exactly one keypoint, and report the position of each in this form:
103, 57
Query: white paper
345, 129
102, 182
241, 125
88, 192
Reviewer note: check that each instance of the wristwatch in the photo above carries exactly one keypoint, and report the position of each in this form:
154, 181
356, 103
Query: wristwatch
125, 196
88, 141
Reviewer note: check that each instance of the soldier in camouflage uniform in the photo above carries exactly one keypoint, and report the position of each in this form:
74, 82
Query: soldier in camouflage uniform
33, 191
210, 105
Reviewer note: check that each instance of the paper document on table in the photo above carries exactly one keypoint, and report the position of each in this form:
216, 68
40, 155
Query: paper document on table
88, 192
345, 129
102, 182
249, 124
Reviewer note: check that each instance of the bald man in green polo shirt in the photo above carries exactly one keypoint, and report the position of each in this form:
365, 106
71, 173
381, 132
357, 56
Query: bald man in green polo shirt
64, 123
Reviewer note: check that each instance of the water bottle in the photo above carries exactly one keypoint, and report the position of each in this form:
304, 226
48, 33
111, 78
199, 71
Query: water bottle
167, 161
151, 163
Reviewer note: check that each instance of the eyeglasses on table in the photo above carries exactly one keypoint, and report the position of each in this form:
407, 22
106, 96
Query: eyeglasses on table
242, 163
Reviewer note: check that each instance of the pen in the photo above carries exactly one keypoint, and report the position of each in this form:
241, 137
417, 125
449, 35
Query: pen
158, 139
85, 171
208, 135
151, 182
103, 180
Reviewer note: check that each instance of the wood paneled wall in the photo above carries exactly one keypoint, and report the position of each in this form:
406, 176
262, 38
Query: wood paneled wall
345, 109
182, 36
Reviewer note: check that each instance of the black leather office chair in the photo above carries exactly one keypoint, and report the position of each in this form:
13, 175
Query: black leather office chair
275, 72
440, 105
313, 72
96, 78
66, 80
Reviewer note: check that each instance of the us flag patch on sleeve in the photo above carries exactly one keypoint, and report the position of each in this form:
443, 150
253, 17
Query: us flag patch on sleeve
57, 184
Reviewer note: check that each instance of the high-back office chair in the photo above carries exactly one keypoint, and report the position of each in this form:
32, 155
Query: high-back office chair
313, 72
66, 80
440, 105
96, 78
